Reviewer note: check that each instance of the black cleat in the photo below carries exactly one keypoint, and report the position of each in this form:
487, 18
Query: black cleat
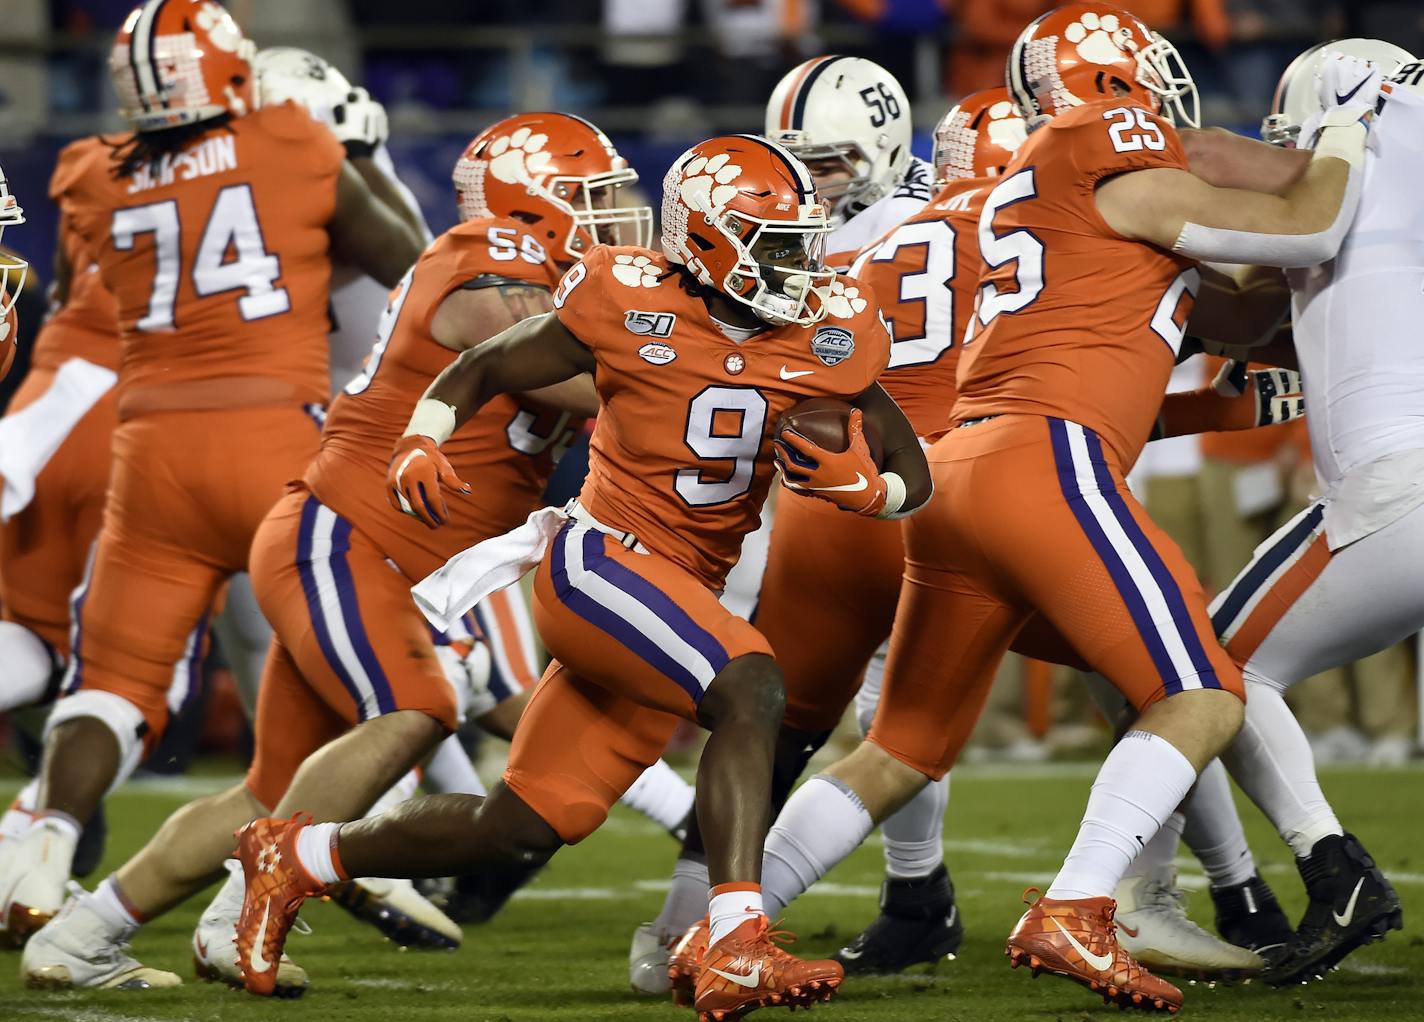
918, 923
1248, 915
1351, 905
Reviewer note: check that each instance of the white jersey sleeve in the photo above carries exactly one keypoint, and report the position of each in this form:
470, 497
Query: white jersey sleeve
915, 190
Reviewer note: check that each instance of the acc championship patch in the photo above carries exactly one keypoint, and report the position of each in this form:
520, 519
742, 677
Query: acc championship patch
657, 354
832, 345
650, 324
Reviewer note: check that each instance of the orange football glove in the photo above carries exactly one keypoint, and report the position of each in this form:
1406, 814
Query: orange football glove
848, 479
414, 479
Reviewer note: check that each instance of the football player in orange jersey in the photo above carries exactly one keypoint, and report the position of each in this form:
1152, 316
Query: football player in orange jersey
697, 352
1077, 322
12, 278
351, 655
213, 225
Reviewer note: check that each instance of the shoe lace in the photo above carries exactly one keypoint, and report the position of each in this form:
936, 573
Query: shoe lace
300, 925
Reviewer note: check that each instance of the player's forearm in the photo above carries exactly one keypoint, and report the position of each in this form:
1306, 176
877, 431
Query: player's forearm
1228, 160
1187, 413
384, 189
578, 397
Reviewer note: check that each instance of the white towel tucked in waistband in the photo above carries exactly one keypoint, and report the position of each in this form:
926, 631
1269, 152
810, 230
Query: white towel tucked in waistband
29, 437
447, 593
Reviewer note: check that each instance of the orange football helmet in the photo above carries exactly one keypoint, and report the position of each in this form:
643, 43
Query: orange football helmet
179, 62
978, 137
1087, 51
741, 214
558, 173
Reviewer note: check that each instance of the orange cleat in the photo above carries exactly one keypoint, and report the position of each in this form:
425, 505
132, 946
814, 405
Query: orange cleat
747, 970
685, 963
1078, 940
276, 887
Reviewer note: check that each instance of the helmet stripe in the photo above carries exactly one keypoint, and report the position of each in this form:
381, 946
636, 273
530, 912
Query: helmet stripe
799, 174
803, 91
790, 98
142, 56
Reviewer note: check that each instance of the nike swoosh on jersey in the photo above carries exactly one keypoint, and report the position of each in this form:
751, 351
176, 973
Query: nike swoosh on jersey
860, 483
788, 374
1344, 918
1100, 962
255, 958
751, 979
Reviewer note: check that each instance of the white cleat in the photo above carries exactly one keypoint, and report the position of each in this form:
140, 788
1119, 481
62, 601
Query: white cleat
399, 911
648, 961
33, 873
74, 951
215, 942
1152, 926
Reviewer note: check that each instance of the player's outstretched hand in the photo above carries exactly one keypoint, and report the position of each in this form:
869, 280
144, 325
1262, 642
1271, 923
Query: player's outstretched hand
417, 479
849, 479
1348, 89
1275, 393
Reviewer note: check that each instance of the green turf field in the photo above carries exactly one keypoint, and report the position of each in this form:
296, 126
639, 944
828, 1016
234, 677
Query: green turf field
559, 952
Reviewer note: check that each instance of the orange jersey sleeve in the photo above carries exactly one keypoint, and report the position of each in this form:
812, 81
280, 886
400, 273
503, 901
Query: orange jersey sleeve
1072, 320
924, 274
681, 453
218, 260
87, 324
506, 451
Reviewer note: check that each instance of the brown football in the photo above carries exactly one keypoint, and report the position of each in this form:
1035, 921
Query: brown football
823, 421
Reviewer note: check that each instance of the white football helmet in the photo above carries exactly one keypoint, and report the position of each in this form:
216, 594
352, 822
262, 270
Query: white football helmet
12, 268
1296, 101
848, 109
285, 72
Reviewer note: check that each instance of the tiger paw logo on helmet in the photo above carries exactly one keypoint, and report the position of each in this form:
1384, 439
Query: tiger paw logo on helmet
1005, 125
1097, 37
220, 26
635, 271
707, 183
841, 301
515, 159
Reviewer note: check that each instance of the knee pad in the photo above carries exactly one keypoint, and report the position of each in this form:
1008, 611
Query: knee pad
120, 716
32, 669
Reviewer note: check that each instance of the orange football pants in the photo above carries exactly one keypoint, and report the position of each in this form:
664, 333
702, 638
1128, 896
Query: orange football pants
187, 492
1031, 515
44, 548
636, 641
348, 643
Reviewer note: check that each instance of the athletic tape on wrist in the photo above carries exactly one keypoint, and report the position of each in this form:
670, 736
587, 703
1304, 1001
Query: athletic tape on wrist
433, 418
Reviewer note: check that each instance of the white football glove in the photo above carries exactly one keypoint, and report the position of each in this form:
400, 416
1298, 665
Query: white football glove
1348, 89
360, 123
1277, 392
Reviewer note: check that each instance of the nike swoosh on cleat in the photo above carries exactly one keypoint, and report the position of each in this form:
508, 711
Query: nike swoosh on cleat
953, 915
860, 483
255, 959
1343, 918
751, 979
1100, 962
788, 374
852, 955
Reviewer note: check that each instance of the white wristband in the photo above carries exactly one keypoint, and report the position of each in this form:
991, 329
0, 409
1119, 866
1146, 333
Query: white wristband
894, 494
1343, 142
432, 418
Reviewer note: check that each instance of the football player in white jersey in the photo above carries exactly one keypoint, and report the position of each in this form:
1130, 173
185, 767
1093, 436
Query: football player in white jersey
1339, 581
849, 121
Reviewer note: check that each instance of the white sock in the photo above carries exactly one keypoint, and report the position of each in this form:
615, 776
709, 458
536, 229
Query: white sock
227, 903
113, 909
729, 906
451, 772
60, 823
822, 822
1214, 832
28, 666
914, 834
21, 814
686, 899
314, 852
1271, 761
1158, 855
1141, 783
661, 795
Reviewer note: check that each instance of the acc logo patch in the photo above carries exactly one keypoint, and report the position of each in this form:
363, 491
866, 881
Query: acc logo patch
650, 324
657, 354
832, 345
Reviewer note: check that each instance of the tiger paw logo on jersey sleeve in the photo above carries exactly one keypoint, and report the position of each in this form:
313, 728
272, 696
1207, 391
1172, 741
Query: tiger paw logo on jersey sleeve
516, 159
635, 271
707, 184
841, 301
1097, 37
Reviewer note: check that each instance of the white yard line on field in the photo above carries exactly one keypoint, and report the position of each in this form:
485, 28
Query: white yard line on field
72, 1014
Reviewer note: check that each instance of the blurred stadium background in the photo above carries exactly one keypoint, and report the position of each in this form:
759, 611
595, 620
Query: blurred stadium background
660, 74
